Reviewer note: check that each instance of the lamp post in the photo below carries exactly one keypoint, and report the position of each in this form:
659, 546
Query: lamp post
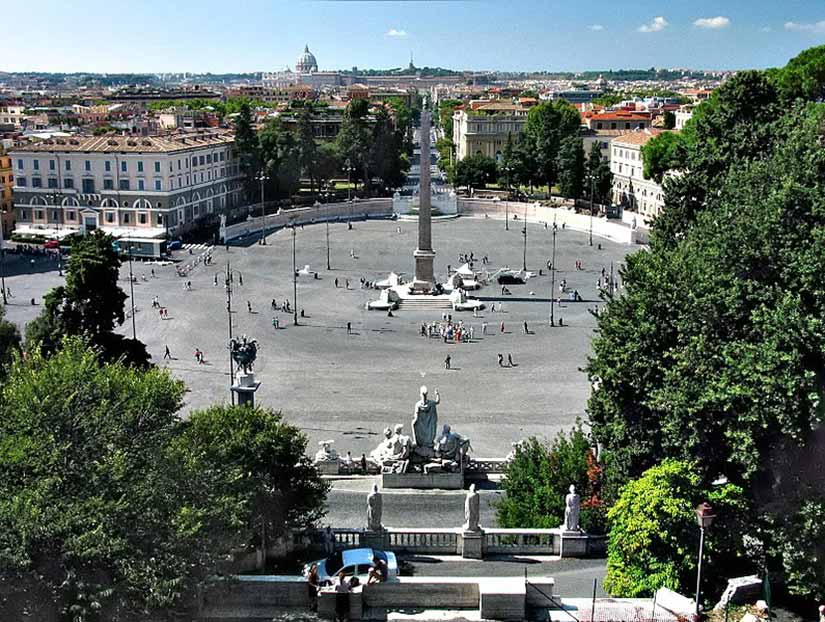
263, 178
2, 262
294, 282
328, 266
507, 215
553, 279
131, 291
524, 232
348, 166
592, 179
228, 287
704, 517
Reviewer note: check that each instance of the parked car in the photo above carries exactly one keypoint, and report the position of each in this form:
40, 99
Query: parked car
51, 244
174, 245
354, 563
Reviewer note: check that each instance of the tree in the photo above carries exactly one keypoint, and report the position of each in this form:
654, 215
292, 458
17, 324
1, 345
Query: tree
9, 341
475, 171
308, 150
537, 480
653, 532
386, 161
329, 163
446, 108
353, 140
571, 167
662, 153
803, 77
266, 461
801, 547
548, 124
669, 120
598, 168
246, 142
91, 506
90, 304
281, 152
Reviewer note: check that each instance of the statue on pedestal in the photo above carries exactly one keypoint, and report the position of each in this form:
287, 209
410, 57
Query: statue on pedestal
375, 508
471, 510
571, 511
425, 423
327, 453
244, 352
394, 451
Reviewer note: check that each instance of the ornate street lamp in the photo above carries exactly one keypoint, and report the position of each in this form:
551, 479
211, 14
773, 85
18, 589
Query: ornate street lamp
704, 518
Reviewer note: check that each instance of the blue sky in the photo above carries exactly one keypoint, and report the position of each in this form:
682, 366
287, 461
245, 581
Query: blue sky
262, 35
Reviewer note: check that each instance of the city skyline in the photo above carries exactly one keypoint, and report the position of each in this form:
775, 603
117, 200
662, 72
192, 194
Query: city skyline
463, 35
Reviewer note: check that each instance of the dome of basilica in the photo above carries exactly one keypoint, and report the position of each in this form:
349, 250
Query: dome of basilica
306, 62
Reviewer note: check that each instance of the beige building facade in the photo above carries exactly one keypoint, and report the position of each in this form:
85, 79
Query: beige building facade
486, 129
631, 189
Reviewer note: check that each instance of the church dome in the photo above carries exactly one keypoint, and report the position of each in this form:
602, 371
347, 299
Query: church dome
306, 62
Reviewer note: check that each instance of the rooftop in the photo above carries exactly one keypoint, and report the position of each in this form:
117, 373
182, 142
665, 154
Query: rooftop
111, 143
637, 138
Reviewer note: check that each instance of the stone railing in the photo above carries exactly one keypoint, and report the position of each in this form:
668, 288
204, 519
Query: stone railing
423, 541
521, 541
329, 212
485, 466
614, 230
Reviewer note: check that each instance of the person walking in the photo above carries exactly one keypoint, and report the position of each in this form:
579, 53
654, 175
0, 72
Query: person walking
447, 362
500, 360
336, 281
349, 328
313, 583
215, 281
166, 353
484, 328
249, 306
240, 279
342, 589
526, 330
501, 326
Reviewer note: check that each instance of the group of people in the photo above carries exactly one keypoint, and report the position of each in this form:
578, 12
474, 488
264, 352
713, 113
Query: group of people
447, 331
342, 587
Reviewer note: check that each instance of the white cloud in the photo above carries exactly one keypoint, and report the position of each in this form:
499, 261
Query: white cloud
714, 23
658, 23
766, 29
393, 32
596, 27
817, 27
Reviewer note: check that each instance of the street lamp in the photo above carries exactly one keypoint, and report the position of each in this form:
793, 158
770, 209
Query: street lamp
328, 266
592, 179
2, 262
228, 287
704, 517
263, 177
553, 279
294, 282
131, 291
348, 166
524, 259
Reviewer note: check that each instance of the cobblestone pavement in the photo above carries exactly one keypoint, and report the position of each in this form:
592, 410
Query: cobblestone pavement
349, 387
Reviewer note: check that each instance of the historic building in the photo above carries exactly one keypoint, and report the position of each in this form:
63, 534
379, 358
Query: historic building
485, 128
631, 189
140, 186
6, 203
306, 62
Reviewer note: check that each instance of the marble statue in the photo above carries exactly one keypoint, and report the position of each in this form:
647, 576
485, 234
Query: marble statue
375, 507
471, 510
402, 444
425, 423
571, 510
452, 446
327, 453
244, 352
384, 450
394, 451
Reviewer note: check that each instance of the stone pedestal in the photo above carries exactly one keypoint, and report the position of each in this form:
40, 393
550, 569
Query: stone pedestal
245, 387
374, 540
471, 544
573, 544
423, 481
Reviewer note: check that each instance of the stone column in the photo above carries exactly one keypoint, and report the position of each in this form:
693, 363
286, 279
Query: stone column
424, 254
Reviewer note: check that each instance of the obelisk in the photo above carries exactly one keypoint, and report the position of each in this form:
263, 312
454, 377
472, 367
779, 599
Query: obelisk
424, 254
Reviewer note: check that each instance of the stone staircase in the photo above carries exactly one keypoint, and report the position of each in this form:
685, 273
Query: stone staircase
425, 303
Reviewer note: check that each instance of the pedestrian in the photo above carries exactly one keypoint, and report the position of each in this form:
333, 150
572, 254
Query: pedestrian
336, 281
510, 360
273, 305
500, 360
447, 362
313, 583
364, 463
167, 354
153, 273
349, 328
561, 321
160, 312
302, 313
526, 331
240, 279
347, 283
342, 589
501, 326
8, 292
475, 312
484, 328
249, 306
215, 281
189, 285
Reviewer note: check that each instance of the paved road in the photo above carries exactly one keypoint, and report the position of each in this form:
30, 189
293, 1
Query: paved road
348, 388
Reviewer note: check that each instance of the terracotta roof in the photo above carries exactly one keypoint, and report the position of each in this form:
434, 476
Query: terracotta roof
132, 144
620, 115
638, 138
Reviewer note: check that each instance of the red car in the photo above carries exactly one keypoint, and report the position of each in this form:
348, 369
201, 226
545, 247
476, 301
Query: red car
52, 244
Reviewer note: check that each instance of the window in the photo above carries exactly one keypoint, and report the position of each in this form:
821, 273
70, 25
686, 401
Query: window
187, 180
38, 214
88, 165
158, 185
126, 218
108, 166
108, 184
627, 126
110, 217
123, 166
88, 186
51, 165
51, 182
68, 165
68, 182
172, 184
157, 167
54, 215
37, 182
124, 184
142, 218
20, 164
70, 215
36, 164
209, 158
221, 156
21, 181
178, 164
140, 166
160, 219
140, 184
194, 161
201, 160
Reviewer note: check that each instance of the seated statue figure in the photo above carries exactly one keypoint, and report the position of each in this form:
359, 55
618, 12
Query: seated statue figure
384, 449
327, 453
451, 446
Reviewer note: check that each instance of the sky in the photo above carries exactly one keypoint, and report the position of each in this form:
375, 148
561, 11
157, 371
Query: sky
522, 35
